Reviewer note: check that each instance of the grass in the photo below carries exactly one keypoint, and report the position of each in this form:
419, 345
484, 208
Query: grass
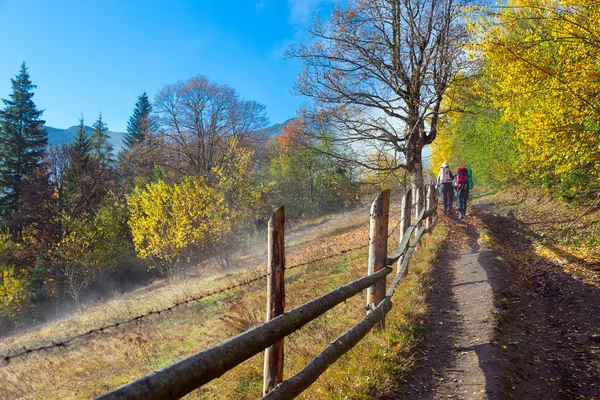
560, 233
93, 366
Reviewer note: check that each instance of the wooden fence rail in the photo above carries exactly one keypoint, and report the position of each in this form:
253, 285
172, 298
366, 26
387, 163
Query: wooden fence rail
179, 379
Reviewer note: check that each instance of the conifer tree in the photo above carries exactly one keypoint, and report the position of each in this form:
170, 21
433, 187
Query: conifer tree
141, 125
87, 177
99, 141
81, 148
23, 140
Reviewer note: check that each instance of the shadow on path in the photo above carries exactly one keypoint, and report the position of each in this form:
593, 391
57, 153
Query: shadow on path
504, 323
549, 321
456, 359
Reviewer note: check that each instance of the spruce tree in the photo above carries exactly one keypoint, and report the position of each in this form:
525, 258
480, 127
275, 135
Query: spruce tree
88, 174
99, 141
23, 140
81, 148
141, 125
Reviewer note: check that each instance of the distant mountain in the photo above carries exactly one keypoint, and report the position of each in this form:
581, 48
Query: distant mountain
277, 129
58, 136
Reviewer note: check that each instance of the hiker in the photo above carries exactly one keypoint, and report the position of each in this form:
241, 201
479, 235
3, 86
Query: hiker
444, 180
461, 187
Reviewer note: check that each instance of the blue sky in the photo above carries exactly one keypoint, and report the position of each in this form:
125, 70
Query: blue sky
99, 56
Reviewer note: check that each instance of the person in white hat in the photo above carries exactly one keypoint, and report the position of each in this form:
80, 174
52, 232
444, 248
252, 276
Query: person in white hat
444, 180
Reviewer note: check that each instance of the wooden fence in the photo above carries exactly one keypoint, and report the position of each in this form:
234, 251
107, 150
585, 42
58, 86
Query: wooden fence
179, 379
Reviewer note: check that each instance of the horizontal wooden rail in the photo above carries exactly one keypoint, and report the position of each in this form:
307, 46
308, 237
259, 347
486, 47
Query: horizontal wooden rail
395, 256
402, 268
298, 383
179, 379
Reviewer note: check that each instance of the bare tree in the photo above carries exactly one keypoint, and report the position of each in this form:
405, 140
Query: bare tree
198, 119
376, 73
77, 278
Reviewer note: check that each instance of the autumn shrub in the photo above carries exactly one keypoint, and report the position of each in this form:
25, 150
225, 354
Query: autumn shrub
170, 222
14, 294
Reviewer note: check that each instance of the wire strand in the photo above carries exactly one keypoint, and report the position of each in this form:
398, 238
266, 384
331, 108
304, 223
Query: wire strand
99, 330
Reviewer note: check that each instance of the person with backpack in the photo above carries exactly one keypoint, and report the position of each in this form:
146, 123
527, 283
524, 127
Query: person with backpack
444, 180
462, 184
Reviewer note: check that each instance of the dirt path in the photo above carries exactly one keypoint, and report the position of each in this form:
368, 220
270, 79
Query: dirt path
497, 332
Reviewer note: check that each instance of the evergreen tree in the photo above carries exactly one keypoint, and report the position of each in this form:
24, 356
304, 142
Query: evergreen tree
81, 148
87, 176
23, 140
99, 141
141, 125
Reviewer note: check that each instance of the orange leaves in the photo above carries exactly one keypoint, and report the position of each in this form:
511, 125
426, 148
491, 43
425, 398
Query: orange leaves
291, 138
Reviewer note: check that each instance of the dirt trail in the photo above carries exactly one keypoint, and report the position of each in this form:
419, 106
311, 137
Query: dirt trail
458, 352
497, 332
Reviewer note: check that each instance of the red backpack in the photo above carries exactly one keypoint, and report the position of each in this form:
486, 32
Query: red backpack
461, 181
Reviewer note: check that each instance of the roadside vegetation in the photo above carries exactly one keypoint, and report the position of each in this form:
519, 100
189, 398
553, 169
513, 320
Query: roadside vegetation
526, 117
101, 362
563, 237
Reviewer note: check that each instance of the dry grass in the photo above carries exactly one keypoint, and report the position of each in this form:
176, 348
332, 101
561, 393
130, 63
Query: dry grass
567, 235
93, 366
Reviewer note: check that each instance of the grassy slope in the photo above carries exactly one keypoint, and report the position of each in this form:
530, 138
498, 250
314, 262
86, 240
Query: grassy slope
92, 366
565, 234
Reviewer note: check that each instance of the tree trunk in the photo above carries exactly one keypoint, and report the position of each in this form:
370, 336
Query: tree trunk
416, 177
416, 173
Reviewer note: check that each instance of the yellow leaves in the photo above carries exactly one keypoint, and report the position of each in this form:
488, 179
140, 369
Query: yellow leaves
166, 220
13, 291
441, 148
541, 65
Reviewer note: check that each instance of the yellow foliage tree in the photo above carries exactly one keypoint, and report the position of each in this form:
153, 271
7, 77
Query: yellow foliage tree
441, 148
171, 222
243, 193
454, 103
14, 295
89, 246
540, 61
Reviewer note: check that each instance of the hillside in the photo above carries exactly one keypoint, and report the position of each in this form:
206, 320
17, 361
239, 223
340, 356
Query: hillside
276, 129
58, 136
101, 362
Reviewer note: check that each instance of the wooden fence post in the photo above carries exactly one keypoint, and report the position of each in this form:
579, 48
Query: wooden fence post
430, 202
273, 373
418, 196
418, 203
378, 235
405, 212
404, 220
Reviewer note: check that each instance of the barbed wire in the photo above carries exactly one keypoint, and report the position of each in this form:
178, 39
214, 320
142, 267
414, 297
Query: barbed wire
99, 330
